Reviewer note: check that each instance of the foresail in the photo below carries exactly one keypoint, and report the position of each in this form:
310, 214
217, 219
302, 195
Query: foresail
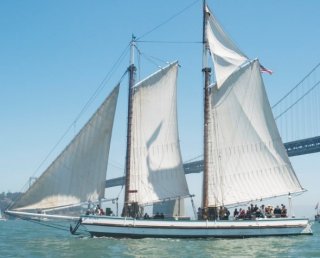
79, 172
226, 56
247, 158
156, 164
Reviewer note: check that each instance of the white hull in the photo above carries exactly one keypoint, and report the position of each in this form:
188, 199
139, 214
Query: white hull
128, 227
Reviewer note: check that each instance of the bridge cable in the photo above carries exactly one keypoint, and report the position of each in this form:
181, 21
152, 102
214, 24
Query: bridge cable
294, 103
303, 79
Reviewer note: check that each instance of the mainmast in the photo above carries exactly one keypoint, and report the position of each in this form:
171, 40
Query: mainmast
131, 70
206, 75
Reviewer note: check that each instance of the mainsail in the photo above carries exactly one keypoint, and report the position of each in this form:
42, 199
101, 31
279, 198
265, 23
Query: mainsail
79, 172
247, 159
156, 164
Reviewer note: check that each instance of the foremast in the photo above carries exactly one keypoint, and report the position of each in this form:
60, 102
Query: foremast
132, 73
206, 75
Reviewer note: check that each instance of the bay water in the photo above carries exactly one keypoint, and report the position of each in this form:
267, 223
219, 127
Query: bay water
20, 238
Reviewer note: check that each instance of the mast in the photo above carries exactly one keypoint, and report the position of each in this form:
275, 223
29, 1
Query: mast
131, 70
206, 75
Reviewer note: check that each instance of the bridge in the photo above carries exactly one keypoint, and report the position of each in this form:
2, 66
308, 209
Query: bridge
303, 98
295, 148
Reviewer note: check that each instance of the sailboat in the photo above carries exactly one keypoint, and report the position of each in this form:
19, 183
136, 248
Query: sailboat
244, 158
1, 217
317, 216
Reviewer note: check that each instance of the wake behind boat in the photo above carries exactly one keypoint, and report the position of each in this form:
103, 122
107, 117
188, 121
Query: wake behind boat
244, 158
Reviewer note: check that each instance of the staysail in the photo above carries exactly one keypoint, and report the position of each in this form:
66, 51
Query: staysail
247, 159
78, 174
156, 164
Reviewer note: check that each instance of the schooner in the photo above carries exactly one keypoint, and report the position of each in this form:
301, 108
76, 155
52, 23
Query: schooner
244, 157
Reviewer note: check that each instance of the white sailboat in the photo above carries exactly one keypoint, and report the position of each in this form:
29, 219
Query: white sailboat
1, 217
244, 157
317, 216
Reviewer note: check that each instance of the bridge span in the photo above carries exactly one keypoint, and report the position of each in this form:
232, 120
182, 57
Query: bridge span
294, 148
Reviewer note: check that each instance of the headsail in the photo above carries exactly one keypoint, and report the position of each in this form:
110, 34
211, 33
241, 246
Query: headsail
226, 56
78, 174
248, 160
156, 164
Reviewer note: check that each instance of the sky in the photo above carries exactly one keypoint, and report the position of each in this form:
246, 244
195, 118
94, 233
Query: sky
54, 55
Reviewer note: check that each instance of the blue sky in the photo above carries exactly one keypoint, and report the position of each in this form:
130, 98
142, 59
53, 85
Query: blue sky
55, 54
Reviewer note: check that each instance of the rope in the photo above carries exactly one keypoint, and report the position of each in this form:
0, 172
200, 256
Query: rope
169, 42
88, 103
168, 20
51, 225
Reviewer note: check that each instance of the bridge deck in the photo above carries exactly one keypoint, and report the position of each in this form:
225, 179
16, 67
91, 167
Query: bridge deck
294, 148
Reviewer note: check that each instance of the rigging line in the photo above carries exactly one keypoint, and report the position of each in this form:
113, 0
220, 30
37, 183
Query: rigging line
168, 20
60, 227
303, 79
85, 107
104, 81
150, 59
169, 42
294, 103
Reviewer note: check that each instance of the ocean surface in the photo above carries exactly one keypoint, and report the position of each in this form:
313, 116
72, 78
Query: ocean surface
20, 238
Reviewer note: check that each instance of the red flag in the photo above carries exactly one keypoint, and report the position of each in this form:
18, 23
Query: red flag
265, 70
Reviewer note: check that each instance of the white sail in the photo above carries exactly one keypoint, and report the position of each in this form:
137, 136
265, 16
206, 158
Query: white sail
156, 165
226, 56
247, 158
79, 172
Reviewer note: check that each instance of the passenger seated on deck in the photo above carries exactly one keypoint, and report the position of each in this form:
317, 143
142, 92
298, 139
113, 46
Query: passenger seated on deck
262, 210
259, 214
277, 212
226, 213
242, 214
283, 211
199, 213
146, 216
157, 216
98, 210
248, 213
235, 213
269, 211
251, 208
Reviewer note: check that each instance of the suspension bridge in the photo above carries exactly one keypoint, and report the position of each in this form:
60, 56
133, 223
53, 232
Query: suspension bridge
297, 115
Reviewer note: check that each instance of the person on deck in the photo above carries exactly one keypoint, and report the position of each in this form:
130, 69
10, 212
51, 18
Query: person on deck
277, 212
248, 213
283, 211
242, 214
235, 213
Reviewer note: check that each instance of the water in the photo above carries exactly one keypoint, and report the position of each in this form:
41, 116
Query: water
25, 239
